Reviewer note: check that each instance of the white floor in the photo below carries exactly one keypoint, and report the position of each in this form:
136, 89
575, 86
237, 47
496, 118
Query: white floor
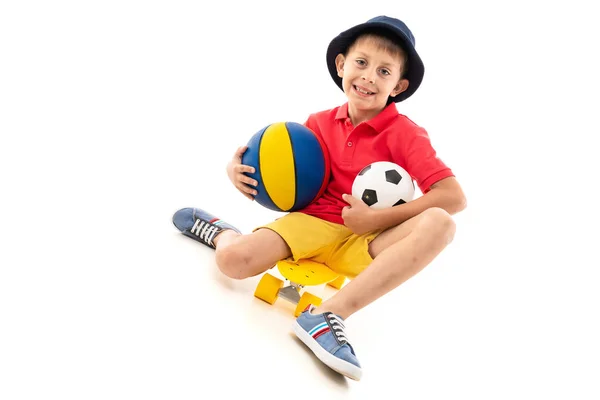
140, 311
113, 116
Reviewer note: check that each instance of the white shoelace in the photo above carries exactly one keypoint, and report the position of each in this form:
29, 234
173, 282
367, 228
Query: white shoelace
205, 231
338, 328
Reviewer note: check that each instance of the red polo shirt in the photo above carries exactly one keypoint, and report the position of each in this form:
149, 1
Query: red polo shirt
387, 137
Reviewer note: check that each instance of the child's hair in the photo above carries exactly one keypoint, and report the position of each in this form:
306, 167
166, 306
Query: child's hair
384, 42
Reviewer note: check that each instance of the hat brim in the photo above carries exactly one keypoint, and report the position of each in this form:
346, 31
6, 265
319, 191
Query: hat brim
340, 44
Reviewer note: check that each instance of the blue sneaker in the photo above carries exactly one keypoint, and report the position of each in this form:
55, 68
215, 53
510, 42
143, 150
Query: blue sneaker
324, 335
200, 225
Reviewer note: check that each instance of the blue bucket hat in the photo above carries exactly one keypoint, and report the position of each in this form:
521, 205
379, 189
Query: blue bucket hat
397, 31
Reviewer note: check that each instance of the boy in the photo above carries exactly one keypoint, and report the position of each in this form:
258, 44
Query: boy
376, 65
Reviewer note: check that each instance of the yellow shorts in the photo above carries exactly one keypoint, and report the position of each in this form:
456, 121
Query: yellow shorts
326, 242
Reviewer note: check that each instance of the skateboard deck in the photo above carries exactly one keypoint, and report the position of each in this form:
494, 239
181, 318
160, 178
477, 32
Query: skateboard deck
306, 272
299, 274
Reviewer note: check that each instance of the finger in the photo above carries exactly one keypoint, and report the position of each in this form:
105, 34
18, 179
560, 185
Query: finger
241, 150
347, 198
246, 195
247, 189
241, 168
247, 180
353, 201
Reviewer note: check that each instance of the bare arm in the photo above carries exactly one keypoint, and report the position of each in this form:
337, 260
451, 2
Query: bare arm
446, 194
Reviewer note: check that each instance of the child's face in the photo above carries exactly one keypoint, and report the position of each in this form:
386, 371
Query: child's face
369, 76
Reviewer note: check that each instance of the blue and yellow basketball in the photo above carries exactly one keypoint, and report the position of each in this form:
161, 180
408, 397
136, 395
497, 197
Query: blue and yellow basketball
291, 166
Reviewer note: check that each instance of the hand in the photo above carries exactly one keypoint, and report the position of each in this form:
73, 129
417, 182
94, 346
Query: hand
235, 172
358, 216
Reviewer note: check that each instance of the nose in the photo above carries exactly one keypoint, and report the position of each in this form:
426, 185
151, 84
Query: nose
369, 79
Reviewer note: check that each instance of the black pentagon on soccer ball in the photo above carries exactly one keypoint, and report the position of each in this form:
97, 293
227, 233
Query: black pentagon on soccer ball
369, 196
365, 169
393, 176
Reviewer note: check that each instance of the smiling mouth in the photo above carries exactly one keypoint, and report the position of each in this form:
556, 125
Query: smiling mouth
361, 90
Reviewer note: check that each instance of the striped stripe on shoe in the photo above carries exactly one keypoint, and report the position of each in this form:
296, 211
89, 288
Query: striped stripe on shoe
319, 330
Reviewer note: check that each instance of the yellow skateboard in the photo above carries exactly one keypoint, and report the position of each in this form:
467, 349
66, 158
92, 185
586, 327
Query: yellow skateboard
299, 274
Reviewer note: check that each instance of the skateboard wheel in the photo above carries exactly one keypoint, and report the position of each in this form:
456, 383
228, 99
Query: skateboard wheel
267, 288
305, 300
338, 282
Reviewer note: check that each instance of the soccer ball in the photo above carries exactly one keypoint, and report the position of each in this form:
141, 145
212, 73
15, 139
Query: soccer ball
383, 184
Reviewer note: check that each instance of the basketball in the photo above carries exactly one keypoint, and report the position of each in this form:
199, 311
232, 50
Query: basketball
383, 184
291, 166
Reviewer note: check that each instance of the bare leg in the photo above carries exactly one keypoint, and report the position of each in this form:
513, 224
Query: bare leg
242, 256
399, 253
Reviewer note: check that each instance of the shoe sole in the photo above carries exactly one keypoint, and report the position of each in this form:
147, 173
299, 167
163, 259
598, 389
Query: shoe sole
343, 367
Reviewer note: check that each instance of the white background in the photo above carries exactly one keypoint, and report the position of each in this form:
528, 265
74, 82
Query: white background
115, 114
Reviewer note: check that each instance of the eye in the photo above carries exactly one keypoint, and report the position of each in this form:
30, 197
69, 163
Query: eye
360, 62
385, 71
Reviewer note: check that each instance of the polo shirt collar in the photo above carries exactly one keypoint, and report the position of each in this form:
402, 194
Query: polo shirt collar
383, 119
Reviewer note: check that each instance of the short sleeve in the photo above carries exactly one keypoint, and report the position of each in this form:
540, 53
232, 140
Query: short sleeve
422, 161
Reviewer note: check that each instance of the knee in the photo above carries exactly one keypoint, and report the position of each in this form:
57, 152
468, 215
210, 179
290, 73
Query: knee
439, 223
233, 261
